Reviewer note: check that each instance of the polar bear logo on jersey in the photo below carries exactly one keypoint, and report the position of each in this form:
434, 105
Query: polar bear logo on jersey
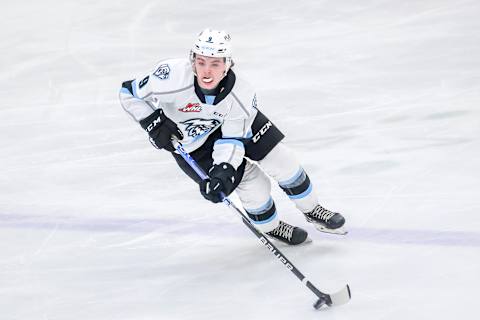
197, 127
162, 72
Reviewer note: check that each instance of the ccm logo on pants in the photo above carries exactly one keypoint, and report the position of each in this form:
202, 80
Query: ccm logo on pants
262, 131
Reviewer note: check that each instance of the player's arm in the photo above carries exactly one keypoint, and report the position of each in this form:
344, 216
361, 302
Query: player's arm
230, 147
135, 99
228, 154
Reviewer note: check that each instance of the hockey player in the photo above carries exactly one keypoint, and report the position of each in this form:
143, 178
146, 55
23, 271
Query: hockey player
215, 116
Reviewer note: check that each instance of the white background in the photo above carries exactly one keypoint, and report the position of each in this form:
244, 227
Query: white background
378, 98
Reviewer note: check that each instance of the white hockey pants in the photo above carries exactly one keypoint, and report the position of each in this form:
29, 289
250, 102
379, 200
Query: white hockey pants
255, 189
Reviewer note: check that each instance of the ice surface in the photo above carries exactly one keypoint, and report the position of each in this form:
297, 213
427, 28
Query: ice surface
96, 224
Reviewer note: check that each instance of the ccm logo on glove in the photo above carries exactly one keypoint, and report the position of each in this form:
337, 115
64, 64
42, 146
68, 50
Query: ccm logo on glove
160, 129
155, 123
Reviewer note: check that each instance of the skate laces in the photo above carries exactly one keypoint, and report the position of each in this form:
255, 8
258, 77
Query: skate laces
283, 230
322, 213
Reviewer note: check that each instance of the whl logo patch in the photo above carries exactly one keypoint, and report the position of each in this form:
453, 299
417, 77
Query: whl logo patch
191, 107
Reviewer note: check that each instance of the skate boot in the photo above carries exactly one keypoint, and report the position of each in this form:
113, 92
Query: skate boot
325, 220
289, 234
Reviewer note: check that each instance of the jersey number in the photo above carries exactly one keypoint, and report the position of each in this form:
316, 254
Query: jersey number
142, 83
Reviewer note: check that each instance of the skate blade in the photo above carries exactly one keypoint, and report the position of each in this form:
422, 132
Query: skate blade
307, 241
279, 243
339, 231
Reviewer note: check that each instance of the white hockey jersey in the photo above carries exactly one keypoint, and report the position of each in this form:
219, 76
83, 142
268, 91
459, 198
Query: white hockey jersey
170, 86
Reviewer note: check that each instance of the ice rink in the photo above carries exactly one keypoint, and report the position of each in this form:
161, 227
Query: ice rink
380, 100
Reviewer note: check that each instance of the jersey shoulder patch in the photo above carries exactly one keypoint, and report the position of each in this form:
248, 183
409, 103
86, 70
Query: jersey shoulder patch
163, 71
171, 75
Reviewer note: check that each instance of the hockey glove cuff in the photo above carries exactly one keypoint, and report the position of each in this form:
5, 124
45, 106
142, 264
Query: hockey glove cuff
160, 130
222, 179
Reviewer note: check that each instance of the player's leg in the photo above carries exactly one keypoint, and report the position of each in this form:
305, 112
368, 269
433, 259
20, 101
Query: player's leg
282, 166
254, 193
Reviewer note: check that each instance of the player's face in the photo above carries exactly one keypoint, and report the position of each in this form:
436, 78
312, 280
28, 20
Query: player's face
210, 71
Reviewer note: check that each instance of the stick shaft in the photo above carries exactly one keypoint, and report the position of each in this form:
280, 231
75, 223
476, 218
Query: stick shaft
267, 243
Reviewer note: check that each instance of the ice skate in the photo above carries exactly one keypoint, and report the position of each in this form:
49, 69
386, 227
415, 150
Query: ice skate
326, 221
289, 234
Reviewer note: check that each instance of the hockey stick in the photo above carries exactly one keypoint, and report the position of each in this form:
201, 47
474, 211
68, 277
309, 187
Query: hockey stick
335, 299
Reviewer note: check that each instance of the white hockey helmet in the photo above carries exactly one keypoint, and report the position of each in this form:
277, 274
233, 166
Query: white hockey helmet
213, 43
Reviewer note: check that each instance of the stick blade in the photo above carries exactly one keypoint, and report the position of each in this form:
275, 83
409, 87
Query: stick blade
340, 297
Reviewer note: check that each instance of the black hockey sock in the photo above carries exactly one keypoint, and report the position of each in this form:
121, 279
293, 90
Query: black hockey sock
297, 187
